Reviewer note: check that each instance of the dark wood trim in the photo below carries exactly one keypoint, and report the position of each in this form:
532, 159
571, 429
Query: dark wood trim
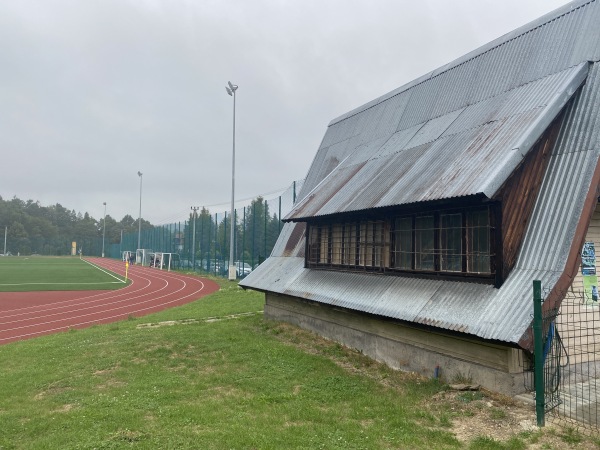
519, 193
307, 254
463, 241
497, 262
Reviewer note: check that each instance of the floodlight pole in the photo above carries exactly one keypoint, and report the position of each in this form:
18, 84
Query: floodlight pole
103, 229
140, 216
232, 272
194, 208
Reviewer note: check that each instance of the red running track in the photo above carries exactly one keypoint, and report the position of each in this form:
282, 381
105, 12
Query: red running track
25, 315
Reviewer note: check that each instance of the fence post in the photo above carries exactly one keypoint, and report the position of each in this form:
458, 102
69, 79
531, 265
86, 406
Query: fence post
538, 350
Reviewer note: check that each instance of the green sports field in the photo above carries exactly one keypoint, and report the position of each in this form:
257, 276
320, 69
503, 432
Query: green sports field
46, 273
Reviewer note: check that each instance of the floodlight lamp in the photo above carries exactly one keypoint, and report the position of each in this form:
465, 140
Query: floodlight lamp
228, 90
139, 173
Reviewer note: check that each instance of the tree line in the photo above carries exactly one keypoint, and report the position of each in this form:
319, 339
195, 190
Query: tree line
50, 230
31, 228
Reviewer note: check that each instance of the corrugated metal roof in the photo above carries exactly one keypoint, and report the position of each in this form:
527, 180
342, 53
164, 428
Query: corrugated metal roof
466, 307
479, 157
485, 104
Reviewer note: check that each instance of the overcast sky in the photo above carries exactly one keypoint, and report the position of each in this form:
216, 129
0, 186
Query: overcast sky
93, 91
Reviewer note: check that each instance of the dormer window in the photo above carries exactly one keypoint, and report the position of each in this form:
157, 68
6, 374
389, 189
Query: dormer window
450, 242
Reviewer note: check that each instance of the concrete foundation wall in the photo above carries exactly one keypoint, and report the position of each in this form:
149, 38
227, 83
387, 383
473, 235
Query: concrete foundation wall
495, 367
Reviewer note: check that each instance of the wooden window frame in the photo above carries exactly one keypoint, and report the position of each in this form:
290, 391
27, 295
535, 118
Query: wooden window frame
375, 238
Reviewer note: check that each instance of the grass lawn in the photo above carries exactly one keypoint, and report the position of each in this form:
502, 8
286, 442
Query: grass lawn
214, 374
46, 273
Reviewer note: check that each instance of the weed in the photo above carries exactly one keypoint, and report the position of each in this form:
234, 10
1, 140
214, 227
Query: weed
445, 421
497, 414
571, 436
470, 396
485, 443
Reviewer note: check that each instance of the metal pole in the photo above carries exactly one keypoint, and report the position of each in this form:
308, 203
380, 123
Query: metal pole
5, 234
538, 350
194, 208
232, 272
104, 229
140, 216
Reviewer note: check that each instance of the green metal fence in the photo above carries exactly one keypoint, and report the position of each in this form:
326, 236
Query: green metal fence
203, 240
567, 359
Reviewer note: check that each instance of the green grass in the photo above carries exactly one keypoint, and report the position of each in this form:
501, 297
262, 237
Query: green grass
214, 374
44, 273
230, 383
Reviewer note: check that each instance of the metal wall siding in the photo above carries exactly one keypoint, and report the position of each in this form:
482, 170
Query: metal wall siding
571, 175
589, 117
562, 194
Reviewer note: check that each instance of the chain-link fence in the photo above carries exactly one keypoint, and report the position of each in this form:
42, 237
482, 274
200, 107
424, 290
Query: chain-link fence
202, 242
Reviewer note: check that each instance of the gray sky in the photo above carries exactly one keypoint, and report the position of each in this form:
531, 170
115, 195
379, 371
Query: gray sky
91, 91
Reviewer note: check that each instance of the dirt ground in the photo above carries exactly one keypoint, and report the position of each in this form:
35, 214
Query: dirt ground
477, 414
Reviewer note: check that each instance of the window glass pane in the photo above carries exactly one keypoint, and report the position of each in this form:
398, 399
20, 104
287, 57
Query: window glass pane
378, 244
451, 242
424, 241
324, 245
336, 243
349, 256
478, 242
366, 243
403, 244
313, 244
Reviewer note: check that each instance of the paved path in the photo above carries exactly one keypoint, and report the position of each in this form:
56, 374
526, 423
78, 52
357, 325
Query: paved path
24, 315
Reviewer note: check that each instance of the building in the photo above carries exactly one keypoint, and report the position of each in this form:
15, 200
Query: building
428, 212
